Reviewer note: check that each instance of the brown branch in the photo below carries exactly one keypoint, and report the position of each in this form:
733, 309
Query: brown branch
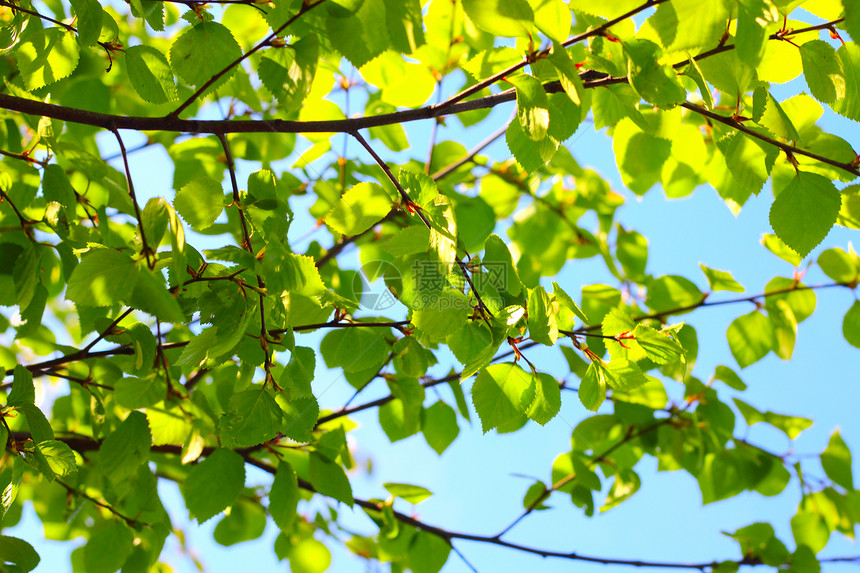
629, 437
25, 223
789, 149
74, 491
85, 444
108, 48
598, 31
448, 169
23, 157
408, 204
306, 7
147, 252
237, 202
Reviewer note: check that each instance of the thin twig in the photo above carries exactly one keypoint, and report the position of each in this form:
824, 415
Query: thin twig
147, 252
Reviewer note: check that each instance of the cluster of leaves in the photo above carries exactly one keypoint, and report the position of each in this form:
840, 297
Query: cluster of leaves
187, 363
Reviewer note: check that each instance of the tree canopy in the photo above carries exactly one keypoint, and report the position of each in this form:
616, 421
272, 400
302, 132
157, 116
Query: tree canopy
184, 335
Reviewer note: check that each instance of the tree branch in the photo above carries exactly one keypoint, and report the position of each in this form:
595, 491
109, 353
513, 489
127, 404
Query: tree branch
83, 444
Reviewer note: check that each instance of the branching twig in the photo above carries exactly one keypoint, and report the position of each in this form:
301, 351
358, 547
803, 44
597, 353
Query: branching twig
147, 252
83, 444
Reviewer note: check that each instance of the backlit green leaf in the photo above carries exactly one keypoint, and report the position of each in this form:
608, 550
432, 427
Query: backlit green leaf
509, 18
361, 207
203, 51
502, 395
804, 211
214, 484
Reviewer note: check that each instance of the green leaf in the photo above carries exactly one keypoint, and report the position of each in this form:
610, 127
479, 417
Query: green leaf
640, 156
214, 484
289, 72
150, 295
507, 18
631, 250
202, 51
542, 317
47, 56
23, 389
10, 479
284, 496
140, 392
775, 245
245, 522
547, 401
568, 75
502, 395
89, 20
567, 302
410, 493
672, 292
659, 346
329, 479
721, 280
851, 325
103, 278
150, 74
804, 211
58, 456
531, 154
810, 531
360, 208
359, 35
655, 83
300, 416
729, 378
401, 417
840, 266
849, 106
124, 450
38, 423
200, 202
682, 25
309, 556
252, 417
836, 461
694, 72
553, 18
18, 552
57, 187
608, 10
291, 273
592, 389
428, 553
108, 548
791, 425
439, 425
749, 161
438, 316
751, 36
532, 106
490, 62
299, 372
499, 265
750, 338
823, 71
404, 24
